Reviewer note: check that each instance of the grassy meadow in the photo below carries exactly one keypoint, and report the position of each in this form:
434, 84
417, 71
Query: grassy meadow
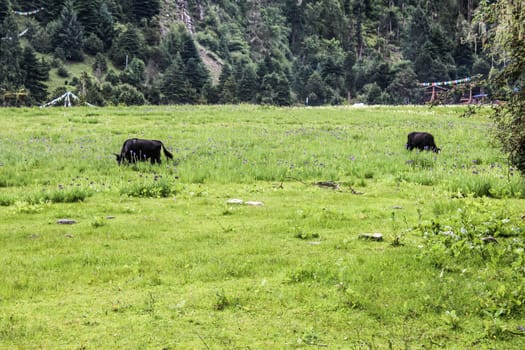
158, 258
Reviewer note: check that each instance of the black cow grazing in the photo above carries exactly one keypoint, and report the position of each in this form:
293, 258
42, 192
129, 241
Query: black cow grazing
134, 150
422, 141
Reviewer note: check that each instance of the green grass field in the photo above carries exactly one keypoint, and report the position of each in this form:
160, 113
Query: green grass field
158, 259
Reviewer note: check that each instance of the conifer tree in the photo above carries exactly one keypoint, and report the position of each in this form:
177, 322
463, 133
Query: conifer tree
35, 73
134, 73
10, 54
87, 14
174, 84
5, 9
69, 35
418, 33
248, 87
105, 27
51, 9
128, 44
145, 9
227, 86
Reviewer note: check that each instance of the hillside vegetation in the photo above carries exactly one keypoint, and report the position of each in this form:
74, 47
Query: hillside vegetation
272, 52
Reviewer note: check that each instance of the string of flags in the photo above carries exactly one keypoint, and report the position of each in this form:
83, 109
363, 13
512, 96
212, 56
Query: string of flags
21, 34
447, 83
28, 13
23, 13
67, 99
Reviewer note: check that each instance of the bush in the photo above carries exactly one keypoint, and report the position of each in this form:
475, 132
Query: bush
60, 54
62, 195
129, 95
93, 45
62, 72
481, 238
157, 187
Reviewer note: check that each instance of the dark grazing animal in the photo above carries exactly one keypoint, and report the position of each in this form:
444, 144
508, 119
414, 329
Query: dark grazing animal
139, 150
422, 141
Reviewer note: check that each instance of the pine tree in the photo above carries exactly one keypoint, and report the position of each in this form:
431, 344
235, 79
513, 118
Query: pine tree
275, 89
227, 86
134, 73
51, 9
145, 9
127, 45
10, 54
197, 74
87, 13
417, 34
248, 87
174, 84
35, 73
5, 9
105, 26
70, 34
316, 90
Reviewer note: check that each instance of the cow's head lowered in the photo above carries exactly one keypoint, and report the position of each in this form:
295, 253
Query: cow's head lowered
423, 141
139, 150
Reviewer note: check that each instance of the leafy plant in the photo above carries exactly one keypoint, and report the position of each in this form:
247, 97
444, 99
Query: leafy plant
156, 187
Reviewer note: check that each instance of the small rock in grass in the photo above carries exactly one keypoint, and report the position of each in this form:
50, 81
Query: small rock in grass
234, 201
489, 239
66, 221
254, 203
372, 236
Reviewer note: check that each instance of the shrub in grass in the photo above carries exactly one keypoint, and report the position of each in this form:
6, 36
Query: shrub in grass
6, 200
62, 195
62, 72
486, 185
156, 187
482, 238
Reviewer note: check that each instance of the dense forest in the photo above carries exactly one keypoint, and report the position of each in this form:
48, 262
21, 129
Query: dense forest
284, 52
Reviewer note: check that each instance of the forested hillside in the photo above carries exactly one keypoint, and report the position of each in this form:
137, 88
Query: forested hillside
233, 51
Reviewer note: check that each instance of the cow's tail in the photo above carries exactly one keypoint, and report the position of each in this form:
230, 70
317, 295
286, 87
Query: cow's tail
166, 152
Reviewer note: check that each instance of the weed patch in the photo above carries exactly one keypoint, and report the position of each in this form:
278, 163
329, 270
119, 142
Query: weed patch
155, 186
482, 238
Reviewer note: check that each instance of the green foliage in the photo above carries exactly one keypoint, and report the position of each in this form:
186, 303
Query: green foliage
508, 18
175, 86
93, 45
156, 187
134, 73
128, 95
327, 52
128, 44
481, 235
35, 74
69, 33
10, 55
62, 195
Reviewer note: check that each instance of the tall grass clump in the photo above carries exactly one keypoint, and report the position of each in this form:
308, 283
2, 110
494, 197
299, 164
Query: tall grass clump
485, 184
6, 199
150, 186
61, 195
